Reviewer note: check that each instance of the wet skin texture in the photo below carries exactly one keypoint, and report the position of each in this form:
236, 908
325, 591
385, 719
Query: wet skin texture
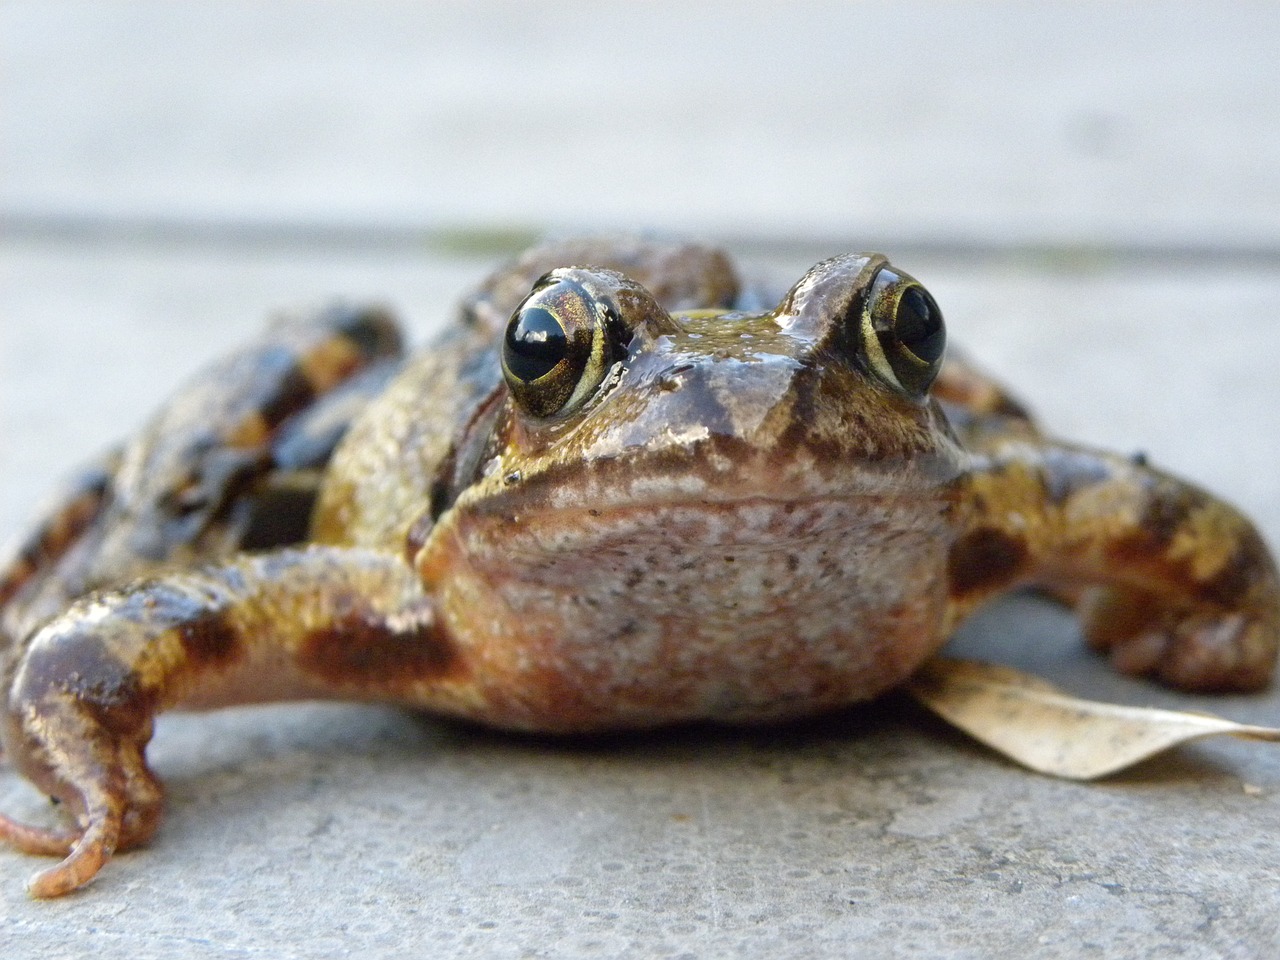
619, 492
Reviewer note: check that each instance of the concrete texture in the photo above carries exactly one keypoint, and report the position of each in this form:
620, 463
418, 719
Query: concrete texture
137, 197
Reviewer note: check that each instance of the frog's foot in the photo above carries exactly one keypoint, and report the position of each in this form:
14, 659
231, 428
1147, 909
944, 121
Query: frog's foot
84, 854
119, 813
1198, 650
92, 762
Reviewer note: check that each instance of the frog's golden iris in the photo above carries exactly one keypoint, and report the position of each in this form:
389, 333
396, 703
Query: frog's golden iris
558, 346
903, 332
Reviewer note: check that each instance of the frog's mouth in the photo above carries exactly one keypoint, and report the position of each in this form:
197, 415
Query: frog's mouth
715, 473
818, 539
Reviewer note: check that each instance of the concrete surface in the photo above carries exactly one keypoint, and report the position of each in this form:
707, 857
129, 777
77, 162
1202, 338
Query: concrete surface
1092, 193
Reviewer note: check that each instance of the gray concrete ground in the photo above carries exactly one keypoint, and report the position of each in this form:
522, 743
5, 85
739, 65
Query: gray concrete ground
1090, 190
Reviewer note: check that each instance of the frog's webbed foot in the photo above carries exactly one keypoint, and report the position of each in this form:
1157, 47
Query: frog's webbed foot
107, 787
76, 724
1204, 650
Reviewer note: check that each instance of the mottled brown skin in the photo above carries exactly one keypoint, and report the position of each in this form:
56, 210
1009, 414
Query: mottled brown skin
221, 467
687, 513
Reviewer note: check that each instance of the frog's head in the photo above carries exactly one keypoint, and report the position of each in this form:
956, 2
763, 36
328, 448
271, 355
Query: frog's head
614, 402
718, 510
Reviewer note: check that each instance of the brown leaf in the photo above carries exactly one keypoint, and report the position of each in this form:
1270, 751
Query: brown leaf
1037, 725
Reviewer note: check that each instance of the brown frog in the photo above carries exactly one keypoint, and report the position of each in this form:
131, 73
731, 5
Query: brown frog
620, 492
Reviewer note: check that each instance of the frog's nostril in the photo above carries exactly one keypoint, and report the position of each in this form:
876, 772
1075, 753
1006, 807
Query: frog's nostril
673, 379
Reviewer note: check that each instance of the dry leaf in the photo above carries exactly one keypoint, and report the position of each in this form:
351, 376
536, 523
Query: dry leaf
1039, 726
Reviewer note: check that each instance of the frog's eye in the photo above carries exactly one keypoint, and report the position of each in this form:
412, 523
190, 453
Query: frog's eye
902, 332
557, 349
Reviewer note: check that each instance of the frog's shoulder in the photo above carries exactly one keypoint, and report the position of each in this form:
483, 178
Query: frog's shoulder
384, 474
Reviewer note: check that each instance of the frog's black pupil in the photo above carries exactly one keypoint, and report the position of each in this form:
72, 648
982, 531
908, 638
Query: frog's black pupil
535, 343
918, 325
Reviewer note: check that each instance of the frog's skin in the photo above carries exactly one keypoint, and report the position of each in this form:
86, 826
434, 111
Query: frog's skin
691, 508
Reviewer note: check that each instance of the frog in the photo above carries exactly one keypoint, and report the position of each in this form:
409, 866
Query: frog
625, 489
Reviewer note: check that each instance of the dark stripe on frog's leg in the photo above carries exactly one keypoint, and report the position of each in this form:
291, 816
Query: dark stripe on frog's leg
276, 511
85, 688
308, 439
985, 560
299, 361
75, 509
1184, 587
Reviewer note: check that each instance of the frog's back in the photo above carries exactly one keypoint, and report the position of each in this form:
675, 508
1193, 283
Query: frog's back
374, 488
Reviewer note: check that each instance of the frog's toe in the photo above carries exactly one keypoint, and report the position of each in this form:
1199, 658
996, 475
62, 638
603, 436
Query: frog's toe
112, 819
84, 852
38, 841
1220, 653
90, 852
1196, 650
101, 780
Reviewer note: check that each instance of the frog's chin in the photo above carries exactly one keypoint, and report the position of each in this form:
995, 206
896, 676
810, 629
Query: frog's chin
741, 612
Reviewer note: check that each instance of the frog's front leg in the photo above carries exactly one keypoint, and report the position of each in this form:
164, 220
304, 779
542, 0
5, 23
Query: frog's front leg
83, 691
1179, 584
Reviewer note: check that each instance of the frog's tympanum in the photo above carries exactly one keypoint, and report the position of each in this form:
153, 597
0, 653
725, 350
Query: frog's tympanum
620, 492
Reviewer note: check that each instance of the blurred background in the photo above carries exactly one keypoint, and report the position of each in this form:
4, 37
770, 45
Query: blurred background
1090, 190
171, 172
909, 124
